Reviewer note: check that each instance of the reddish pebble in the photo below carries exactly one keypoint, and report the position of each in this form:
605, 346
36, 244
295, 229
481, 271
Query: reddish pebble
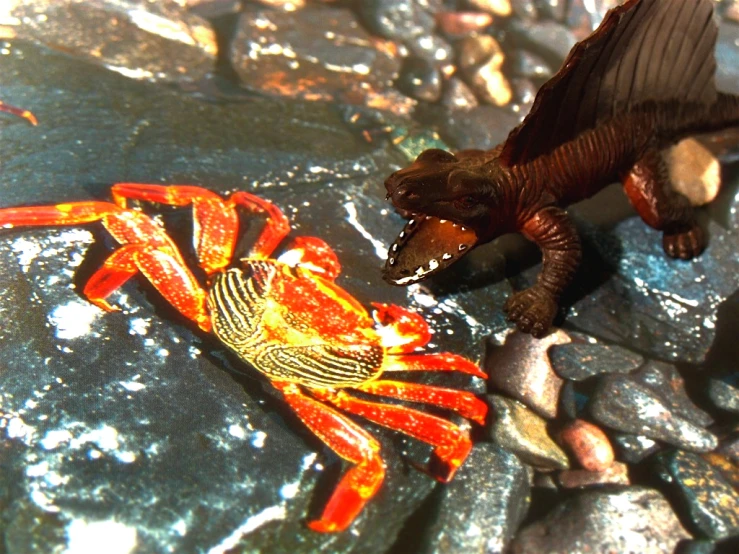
588, 444
459, 24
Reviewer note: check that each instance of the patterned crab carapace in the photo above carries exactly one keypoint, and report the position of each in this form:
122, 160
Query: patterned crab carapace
288, 319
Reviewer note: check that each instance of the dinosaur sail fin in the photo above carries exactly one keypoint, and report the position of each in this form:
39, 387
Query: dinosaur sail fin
644, 50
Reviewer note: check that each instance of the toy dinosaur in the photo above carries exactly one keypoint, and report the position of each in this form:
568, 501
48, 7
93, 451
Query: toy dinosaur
640, 83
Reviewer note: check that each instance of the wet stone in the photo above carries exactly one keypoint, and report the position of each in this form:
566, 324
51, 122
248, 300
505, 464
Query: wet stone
616, 474
724, 392
419, 79
458, 96
625, 405
727, 58
672, 305
396, 19
481, 509
588, 444
530, 66
482, 127
712, 504
586, 357
521, 369
634, 448
316, 54
460, 24
155, 41
694, 171
518, 429
665, 382
548, 39
623, 519
727, 465
432, 48
495, 7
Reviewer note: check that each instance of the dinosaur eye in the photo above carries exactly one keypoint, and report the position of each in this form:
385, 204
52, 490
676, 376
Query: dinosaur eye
465, 202
436, 155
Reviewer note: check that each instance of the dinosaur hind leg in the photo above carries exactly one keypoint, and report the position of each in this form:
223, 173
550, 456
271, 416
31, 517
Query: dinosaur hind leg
648, 188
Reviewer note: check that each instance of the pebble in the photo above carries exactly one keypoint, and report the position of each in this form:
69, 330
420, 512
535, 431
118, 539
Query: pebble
481, 127
694, 171
616, 474
588, 444
634, 448
724, 393
529, 66
548, 39
477, 513
419, 79
521, 369
666, 383
457, 95
316, 53
460, 24
622, 519
395, 19
728, 466
480, 61
712, 503
495, 7
524, 433
621, 403
154, 41
432, 48
586, 357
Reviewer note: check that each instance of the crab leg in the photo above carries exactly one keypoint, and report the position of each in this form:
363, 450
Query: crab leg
443, 361
462, 402
215, 222
451, 444
20, 112
146, 248
350, 442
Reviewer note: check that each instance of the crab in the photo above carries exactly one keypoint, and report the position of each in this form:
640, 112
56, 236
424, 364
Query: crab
288, 319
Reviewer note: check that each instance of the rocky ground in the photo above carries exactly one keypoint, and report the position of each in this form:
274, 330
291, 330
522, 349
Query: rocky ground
131, 432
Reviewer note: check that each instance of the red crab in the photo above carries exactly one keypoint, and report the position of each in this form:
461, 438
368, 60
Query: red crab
288, 319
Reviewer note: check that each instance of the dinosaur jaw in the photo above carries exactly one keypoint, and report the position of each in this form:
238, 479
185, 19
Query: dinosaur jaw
425, 246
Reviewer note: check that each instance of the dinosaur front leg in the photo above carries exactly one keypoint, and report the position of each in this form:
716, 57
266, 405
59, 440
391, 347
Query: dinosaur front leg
533, 309
648, 188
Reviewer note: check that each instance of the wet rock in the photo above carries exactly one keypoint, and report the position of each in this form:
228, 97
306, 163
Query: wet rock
727, 58
432, 48
480, 61
665, 382
139, 39
458, 96
482, 127
724, 392
650, 303
521, 369
552, 9
625, 405
287, 5
728, 466
461, 24
712, 503
694, 171
630, 519
588, 444
585, 357
211, 9
478, 513
582, 18
524, 94
548, 39
634, 448
316, 54
420, 80
530, 66
524, 433
396, 19
496, 7
730, 10
616, 474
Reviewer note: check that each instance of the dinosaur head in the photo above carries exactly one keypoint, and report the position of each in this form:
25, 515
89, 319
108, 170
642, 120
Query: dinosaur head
449, 200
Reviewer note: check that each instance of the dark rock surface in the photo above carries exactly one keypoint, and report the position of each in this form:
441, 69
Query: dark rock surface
624, 519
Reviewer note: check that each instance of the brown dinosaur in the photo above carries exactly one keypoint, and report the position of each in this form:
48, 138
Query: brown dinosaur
640, 83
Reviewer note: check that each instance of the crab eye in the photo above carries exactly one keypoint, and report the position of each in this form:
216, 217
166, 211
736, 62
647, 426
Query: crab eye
436, 155
465, 202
